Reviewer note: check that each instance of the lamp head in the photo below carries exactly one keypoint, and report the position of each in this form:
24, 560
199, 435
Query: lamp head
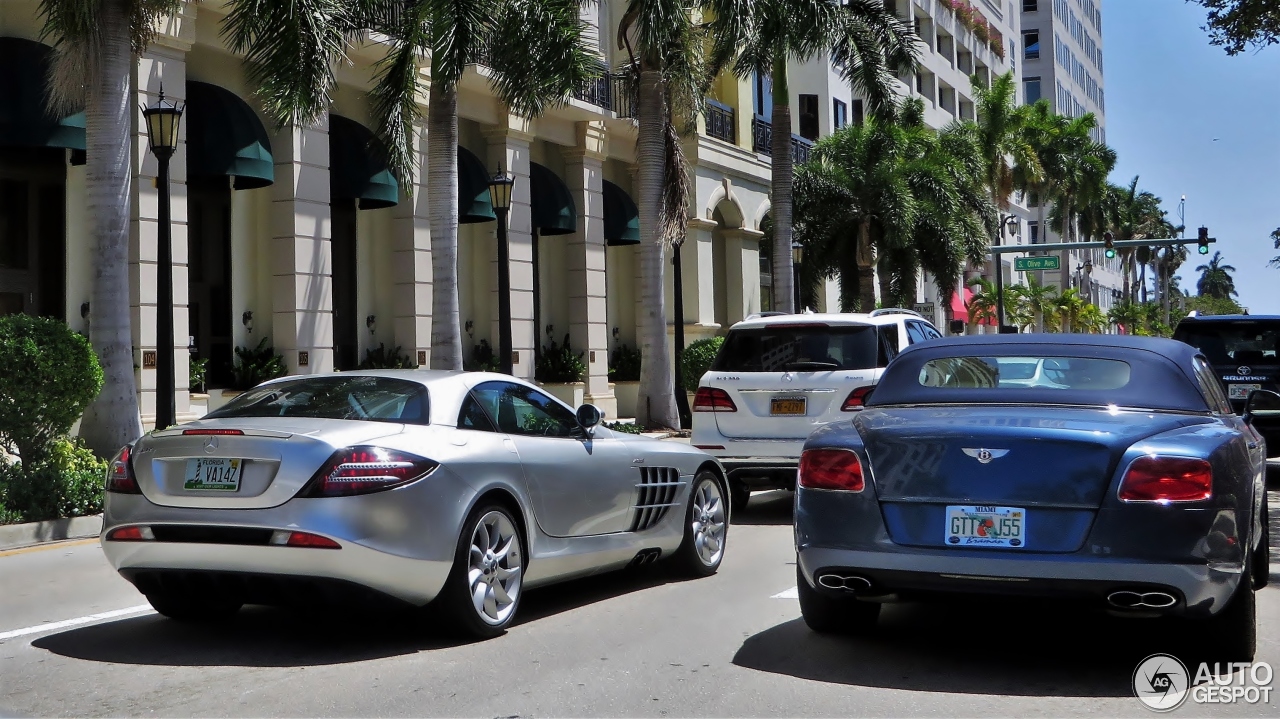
500, 190
163, 120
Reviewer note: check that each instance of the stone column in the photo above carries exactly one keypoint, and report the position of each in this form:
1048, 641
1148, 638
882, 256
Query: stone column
698, 272
509, 147
742, 273
585, 256
163, 63
301, 253
411, 264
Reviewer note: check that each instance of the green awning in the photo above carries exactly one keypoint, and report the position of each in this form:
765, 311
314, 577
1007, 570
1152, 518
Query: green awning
25, 120
553, 208
358, 166
621, 218
474, 204
225, 137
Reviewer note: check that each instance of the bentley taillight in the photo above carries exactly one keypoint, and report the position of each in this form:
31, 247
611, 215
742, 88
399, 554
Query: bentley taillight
364, 470
120, 477
1167, 479
837, 469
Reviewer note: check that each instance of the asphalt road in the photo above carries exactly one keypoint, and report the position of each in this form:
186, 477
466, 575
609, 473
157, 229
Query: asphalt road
627, 644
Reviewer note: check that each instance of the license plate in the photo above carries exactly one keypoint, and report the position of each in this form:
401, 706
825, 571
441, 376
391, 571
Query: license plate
1241, 391
986, 526
787, 405
221, 475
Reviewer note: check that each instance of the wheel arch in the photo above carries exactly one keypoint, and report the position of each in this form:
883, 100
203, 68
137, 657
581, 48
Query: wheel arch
715, 468
504, 498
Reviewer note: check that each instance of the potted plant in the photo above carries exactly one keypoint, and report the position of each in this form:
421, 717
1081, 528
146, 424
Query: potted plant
624, 374
382, 359
560, 371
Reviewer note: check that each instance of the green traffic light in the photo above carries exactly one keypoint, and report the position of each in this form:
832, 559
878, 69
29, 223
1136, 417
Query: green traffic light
1204, 249
1110, 253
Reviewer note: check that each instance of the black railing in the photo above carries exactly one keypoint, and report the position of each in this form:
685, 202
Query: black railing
597, 91
721, 122
762, 141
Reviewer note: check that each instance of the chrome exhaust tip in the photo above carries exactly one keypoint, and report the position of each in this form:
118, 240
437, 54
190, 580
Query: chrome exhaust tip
845, 582
1132, 599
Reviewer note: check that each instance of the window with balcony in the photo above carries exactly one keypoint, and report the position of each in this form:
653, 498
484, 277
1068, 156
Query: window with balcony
964, 60
1030, 6
1031, 45
1033, 232
1031, 90
762, 97
839, 114
858, 114
809, 117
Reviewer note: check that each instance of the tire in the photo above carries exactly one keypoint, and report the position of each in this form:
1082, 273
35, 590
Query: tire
706, 528
1261, 559
739, 495
1232, 634
834, 615
193, 609
490, 561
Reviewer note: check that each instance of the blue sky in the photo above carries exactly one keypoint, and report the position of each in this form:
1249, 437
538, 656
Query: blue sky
1190, 120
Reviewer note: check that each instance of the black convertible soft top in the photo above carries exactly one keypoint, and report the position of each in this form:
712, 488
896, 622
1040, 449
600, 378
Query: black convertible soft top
1161, 372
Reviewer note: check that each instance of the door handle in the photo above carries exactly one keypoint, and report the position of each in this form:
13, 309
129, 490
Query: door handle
511, 446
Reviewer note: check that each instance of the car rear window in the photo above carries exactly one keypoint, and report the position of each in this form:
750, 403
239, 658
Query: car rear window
373, 399
1243, 342
1055, 373
779, 348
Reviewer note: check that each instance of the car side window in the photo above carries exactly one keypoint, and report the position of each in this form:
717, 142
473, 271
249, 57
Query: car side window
524, 411
474, 416
914, 334
1211, 387
929, 332
888, 344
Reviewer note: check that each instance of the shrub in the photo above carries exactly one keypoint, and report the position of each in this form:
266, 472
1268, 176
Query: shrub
558, 363
198, 369
624, 427
697, 360
50, 375
382, 359
66, 483
624, 364
257, 365
482, 359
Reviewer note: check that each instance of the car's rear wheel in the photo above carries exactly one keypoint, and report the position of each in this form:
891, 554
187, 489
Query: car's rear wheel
1262, 554
834, 615
739, 495
706, 527
1232, 634
483, 591
193, 608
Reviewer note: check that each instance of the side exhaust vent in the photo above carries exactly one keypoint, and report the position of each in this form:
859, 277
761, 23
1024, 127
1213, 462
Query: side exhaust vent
655, 494
646, 556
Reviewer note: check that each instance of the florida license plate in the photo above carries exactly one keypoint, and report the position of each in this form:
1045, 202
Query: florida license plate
221, 475
1241, 391
787, 405
986, 526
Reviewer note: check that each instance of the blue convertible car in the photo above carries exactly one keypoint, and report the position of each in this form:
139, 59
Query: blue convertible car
1109, 469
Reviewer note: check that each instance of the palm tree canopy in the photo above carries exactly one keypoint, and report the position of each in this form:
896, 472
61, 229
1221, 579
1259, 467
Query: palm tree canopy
1002, 128
1215, 278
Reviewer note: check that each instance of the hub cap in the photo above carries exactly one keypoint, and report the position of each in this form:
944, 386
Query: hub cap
495, 569
708, 522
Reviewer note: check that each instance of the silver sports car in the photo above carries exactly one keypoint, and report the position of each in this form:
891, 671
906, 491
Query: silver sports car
454, 489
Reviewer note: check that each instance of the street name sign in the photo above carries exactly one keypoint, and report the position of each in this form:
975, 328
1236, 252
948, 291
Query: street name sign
1027, 264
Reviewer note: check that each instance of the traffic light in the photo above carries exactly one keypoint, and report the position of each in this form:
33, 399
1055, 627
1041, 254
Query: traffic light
1204, 241
1109, 243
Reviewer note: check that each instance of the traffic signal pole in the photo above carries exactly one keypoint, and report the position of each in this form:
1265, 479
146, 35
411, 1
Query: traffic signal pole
1204, 243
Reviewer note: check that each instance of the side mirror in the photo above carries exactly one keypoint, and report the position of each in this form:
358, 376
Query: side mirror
589, 416
1261, 401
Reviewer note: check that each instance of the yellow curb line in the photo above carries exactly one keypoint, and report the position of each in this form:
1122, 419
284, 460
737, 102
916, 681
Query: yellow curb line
49, 545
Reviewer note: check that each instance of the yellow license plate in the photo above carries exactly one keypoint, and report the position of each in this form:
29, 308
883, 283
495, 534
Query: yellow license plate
787, 405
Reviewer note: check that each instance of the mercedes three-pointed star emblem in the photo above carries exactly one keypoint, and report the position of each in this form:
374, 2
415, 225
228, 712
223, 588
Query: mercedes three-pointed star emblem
211, 445
985, 455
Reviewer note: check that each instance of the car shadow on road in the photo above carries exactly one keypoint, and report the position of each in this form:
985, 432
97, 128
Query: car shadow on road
767, 508
967, 647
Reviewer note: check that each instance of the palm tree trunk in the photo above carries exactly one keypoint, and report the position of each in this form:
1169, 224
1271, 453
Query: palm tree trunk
866, 268
850, 278
1124, 270
656, 405
442, 199
112, 420
1142, 282
885, 276
782, 178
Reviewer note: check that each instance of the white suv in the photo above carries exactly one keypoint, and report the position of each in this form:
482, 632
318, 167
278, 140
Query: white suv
780, 377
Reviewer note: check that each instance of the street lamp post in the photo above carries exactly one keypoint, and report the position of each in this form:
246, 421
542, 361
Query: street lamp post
797, 256
163, 120
682, 399
500, 195
1011, 221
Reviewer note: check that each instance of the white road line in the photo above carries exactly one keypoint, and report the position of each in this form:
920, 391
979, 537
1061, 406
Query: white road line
792, 593
50, 626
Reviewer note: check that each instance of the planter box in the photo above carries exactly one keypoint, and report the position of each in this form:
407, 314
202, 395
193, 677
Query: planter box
627, 394
53, 530
571, 393
219, 397
199, 404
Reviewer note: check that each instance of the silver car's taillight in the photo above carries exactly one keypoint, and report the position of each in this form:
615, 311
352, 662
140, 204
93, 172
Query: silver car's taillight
120, 477
364, 470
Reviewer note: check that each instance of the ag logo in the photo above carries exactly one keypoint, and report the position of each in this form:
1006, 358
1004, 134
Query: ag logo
1244, 369
1161, 682
985, 455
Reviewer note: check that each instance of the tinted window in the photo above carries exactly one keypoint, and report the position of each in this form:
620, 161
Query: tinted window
1212, 387
779, 348
914, 334
929, 332
888, 344
473, 416
1059, 373
376, 399
521, 410
1240, 343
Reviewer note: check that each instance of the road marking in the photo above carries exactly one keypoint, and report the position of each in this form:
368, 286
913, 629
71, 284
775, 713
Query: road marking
50, 545
50, 626
792, 593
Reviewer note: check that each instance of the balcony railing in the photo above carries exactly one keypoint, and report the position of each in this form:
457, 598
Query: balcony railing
762, 142
614, 91
721, 122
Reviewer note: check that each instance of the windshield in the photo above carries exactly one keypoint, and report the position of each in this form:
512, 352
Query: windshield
780, 348
1239, 343
376, 399
1058, 373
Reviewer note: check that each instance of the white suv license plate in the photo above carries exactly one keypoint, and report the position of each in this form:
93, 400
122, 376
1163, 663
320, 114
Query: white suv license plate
986, 526
1241, 391
220, 475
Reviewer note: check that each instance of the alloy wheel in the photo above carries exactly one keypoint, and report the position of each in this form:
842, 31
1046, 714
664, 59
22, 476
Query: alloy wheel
708, 520
495, 568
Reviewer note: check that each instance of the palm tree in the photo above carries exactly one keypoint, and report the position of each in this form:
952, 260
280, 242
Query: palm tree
1039, 301
1091, 319
1275, 240
1215, 279
868, 44
1126, 314
1084, 166
1005, 139
1069, 305
982, 304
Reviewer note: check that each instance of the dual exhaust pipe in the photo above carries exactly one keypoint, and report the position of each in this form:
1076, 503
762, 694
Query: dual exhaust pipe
852, 583
646, 556
1137, 599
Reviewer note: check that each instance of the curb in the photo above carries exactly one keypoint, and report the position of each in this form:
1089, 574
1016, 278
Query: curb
13, 536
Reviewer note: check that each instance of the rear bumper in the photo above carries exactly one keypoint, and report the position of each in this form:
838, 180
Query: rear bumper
758, 463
